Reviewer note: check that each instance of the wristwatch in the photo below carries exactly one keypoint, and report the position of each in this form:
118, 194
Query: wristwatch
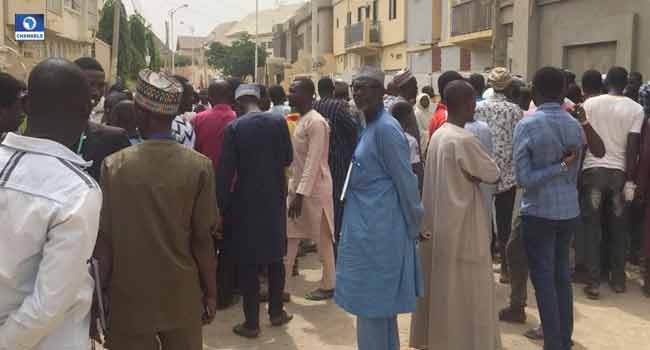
564, 166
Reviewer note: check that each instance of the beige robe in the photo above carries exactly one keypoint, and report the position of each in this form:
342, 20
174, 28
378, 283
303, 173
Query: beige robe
457, 311
310, 176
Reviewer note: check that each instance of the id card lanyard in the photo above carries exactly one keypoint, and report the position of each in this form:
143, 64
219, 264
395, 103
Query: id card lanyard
80, 144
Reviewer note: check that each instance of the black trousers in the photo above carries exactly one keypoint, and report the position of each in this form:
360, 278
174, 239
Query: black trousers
504, 204
602, 199
249, 283
226, 277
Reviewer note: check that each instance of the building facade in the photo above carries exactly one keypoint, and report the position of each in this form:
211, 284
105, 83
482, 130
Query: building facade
466, 35
370, 32
303, 45
70, 27
574, 34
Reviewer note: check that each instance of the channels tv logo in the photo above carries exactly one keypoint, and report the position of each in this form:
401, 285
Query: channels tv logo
30, 27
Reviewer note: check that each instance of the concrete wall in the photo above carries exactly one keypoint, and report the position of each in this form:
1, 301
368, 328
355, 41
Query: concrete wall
554, 27
450, 58
325, 30
419, 21
392, 31
481, 58
419, 62
393, 57
340, 14
103, 55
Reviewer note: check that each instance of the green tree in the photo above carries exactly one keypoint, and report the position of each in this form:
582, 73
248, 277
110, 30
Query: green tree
105, 33
136, 41
138, 33
236, 60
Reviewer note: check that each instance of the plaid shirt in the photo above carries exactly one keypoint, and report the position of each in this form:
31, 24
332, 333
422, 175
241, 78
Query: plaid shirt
540, 141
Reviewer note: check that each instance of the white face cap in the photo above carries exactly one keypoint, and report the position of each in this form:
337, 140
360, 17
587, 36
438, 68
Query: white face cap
248, 90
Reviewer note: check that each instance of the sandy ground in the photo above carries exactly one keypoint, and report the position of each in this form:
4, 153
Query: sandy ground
617, 321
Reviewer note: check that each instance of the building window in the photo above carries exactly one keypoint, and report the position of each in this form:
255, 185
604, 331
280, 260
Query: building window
55, 5
359, 15
375, 3
73, 4
349, 18
392, 9
317, 32
337, 23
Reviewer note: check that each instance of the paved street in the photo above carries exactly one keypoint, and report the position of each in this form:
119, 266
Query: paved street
616, 322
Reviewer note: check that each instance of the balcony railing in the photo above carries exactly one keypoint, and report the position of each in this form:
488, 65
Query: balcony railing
363, 34
471, 17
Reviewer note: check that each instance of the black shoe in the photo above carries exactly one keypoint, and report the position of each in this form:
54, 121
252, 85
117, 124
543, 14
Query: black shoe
512, 315
242, 331
592, 291
281, 320
504, 278
535, 333
320, 294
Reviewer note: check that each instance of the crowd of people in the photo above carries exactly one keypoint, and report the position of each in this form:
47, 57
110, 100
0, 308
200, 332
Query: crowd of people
131, 217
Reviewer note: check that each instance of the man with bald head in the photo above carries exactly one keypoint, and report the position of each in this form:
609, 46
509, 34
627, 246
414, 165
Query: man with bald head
209, 127
458, 308
50, 217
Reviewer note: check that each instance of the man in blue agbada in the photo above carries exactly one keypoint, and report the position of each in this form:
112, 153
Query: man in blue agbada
378, 272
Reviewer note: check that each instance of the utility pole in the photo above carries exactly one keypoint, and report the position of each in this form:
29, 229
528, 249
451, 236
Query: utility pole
315, 52
257, 36
117, 12
169, 46
173, 47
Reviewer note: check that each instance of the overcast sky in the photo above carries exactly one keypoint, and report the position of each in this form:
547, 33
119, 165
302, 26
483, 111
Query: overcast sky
203, 15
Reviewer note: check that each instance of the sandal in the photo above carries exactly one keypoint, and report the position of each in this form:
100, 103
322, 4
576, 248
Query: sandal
320, 294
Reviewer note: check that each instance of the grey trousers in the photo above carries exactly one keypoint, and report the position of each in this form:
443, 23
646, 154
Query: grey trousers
518, 264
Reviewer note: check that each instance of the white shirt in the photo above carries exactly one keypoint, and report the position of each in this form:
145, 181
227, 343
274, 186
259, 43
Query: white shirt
49, 210
613, 118
414, 148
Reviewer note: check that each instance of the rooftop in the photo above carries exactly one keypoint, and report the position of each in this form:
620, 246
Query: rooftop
186, 42
218, 34
267, 18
